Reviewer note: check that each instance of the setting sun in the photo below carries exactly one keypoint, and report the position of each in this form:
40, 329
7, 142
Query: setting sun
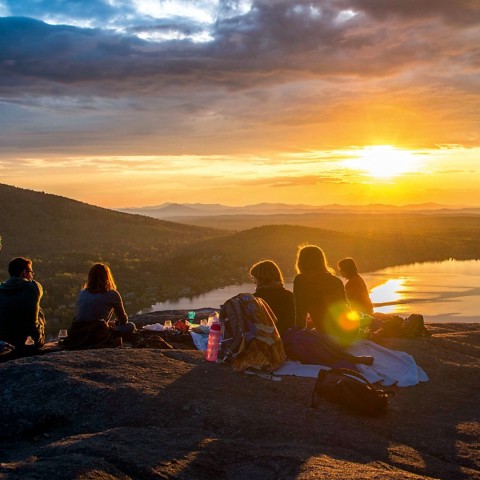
384, 161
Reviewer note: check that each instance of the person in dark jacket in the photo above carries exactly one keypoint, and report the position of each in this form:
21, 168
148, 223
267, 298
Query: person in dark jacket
22, 323
321, 294
271, 288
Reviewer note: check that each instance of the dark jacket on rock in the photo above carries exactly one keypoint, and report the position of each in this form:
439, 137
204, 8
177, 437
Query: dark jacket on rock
20, 313
282, 303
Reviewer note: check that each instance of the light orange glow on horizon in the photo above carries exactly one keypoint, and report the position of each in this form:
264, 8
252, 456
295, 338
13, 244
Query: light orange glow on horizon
448, 175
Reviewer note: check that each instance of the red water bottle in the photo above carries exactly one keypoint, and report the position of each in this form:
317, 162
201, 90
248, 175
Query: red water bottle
213, 342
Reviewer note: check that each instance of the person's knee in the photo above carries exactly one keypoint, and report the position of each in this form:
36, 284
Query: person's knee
127, 328
130, 327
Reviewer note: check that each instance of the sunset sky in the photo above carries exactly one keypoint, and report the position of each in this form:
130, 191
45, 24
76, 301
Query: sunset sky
138, 102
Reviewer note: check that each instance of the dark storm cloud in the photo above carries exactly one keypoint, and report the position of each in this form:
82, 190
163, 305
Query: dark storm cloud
272, 42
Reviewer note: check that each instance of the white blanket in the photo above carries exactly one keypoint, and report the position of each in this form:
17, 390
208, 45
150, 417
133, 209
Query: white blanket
156, 327
390, 367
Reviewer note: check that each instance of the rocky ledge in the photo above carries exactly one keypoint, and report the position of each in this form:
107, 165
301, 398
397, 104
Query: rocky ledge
167, 414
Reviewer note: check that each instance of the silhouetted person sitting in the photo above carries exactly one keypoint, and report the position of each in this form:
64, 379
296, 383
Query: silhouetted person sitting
97, 306
22, 323
355, 288
318, 292
271, 288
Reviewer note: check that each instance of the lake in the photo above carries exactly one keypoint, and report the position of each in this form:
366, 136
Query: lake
447, 291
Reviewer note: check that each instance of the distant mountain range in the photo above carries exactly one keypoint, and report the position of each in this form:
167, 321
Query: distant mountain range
177, 210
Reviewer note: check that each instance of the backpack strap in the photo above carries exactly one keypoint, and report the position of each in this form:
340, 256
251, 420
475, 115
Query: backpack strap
232, 320
352, 373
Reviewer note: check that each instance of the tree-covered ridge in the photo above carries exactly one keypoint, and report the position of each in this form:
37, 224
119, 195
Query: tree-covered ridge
55, 222
236, 253
65, 237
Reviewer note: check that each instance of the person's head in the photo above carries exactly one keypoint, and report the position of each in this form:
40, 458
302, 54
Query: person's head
20, 267
100, 279
311, 259
348, 267
265, 272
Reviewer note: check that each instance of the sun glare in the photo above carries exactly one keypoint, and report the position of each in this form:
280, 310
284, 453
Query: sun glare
383, 161
387, 294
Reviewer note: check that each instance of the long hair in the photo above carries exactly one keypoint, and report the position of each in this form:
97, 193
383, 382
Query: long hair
266, 271
100, 279
312, 259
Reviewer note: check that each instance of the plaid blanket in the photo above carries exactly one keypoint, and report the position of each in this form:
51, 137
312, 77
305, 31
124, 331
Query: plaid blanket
250, 336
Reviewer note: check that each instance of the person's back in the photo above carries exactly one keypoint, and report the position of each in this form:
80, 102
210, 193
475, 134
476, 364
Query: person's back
282, 303
271, 288
357, 295
321, 295
97, 304
355, 288
20, 313
100, 306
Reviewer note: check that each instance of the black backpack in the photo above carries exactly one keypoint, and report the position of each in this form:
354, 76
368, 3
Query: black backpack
350, 390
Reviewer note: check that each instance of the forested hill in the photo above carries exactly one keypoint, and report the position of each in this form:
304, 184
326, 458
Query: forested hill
65, 237
233, 255
35, 223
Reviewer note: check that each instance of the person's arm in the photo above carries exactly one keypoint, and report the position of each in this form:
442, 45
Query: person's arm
118, 308
342, 294
300, 302
39, 336
290, 311
37, 318
350, 291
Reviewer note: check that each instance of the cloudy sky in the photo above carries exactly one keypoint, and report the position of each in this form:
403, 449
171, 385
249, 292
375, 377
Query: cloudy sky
139, 102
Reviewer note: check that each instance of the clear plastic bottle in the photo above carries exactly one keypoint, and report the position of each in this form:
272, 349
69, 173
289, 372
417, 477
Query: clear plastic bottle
213, 342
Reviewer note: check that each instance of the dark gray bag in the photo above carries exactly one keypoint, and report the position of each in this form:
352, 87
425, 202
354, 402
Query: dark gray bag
351, 390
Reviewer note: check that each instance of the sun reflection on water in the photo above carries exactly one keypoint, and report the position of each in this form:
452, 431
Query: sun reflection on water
387, 294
